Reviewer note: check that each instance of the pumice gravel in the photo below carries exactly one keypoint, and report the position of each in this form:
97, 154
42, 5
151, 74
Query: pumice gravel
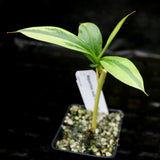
78, 136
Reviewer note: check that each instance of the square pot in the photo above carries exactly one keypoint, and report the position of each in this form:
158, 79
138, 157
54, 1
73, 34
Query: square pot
70, 155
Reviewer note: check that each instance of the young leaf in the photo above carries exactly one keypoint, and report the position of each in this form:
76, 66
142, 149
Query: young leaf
124, 70
91, 34
114, 32
60, 37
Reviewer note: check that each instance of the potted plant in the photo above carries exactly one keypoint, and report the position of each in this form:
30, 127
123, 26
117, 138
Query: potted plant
100, 132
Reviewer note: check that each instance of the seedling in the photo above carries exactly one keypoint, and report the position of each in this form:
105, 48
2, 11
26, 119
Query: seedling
89, 42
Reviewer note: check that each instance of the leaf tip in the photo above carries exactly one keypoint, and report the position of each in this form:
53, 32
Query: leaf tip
12, 32
133, 12
146, 94
9, 32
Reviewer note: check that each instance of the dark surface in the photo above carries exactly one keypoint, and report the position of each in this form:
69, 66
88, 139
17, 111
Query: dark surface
38, 82
40, 85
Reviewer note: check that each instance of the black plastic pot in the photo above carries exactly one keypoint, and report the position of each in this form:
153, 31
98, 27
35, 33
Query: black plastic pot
69, 155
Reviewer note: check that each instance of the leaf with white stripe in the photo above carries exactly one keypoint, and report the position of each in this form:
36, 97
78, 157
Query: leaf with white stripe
60, 37
124, 70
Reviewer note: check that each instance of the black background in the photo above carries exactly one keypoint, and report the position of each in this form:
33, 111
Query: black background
38, 82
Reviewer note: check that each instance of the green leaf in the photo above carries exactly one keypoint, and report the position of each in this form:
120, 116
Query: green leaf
60, 37
114, 32
91, 34
124, 70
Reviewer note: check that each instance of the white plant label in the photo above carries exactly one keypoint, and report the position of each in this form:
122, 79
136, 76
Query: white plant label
87, 84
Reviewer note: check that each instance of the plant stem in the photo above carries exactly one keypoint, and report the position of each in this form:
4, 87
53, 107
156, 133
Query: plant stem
101, 81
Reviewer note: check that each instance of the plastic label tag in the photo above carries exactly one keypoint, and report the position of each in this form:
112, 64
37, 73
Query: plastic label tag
87, 84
